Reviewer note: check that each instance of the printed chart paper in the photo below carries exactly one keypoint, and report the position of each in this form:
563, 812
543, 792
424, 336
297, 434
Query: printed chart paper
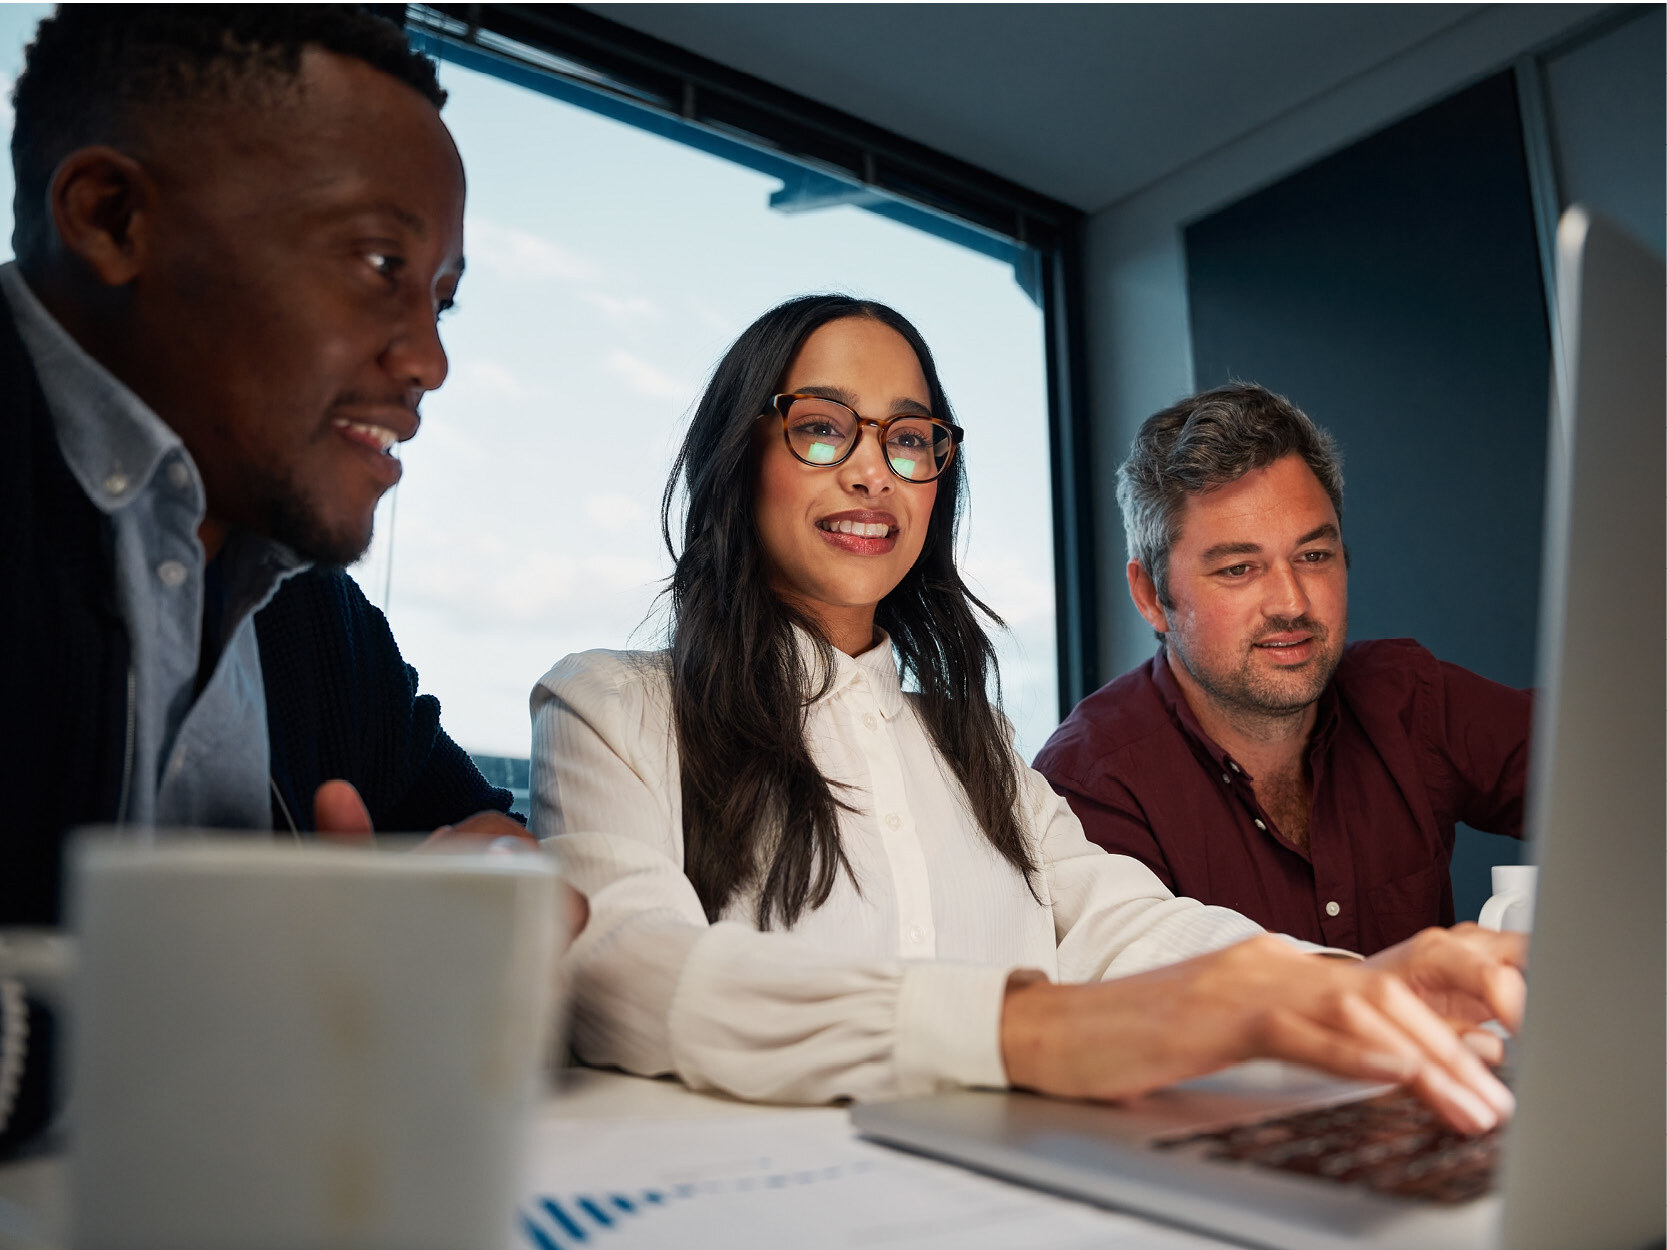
790, 1178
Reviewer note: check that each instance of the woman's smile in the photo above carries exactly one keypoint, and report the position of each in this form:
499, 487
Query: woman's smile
862, 532
838, 538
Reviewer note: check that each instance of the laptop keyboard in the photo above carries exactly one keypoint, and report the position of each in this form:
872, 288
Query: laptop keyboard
1392, 1144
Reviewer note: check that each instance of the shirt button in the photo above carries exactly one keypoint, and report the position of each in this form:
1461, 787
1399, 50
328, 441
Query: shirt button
870, 721
917, 935
1231, 764
893, 821
1261, 826
172, 573
1331, 909
116, 483
1226, 778
178, 474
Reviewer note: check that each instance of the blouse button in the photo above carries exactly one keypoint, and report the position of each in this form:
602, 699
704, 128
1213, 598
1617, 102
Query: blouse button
870, 721
1331, 909
178, 474
916, 934
1226, 778
172, 573
1261, 826
893, 821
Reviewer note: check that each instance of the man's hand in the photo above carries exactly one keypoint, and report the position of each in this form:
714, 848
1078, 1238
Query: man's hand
1259, 999
339, 813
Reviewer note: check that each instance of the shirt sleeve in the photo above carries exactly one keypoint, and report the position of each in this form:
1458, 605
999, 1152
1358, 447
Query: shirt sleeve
1478, 731
1112, 819
342, 702
657, 988
1113, 917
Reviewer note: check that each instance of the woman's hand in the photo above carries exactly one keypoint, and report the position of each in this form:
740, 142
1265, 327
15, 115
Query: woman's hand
1265, 999
1466, 975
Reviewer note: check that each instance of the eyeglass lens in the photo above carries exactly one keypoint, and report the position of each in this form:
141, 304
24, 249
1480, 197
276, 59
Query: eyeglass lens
821, 431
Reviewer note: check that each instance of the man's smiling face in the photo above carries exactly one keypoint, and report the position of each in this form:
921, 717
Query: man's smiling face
1259, 593
285, 318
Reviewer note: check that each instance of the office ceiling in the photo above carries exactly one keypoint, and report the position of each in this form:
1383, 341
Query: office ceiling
1086, 103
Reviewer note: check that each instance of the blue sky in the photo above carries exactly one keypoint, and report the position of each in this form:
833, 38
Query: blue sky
608, 270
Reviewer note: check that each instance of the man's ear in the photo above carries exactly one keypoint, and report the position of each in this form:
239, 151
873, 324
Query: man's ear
103, 202
1145, 596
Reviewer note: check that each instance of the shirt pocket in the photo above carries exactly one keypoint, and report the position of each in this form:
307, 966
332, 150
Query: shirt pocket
1407, 904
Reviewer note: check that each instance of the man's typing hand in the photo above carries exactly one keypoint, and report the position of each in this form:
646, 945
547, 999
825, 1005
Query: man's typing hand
339, 813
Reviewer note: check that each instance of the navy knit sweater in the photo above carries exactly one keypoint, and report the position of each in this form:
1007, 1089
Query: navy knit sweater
340, 701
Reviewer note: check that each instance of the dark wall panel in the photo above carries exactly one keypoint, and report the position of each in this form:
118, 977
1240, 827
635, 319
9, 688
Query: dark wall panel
1393, 292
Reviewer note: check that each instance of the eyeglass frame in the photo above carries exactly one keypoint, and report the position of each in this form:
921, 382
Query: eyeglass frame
778, 407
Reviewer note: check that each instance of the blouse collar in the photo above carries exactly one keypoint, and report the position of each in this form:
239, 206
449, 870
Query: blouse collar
875, 669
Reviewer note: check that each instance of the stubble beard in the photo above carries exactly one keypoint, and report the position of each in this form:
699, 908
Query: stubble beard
1247, 691
293, 518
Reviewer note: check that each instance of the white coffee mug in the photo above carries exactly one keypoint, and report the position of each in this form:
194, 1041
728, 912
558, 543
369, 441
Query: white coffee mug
1512, 906
276, 1046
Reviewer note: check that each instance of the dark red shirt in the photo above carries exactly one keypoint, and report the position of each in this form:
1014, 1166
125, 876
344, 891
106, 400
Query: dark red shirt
1404, 747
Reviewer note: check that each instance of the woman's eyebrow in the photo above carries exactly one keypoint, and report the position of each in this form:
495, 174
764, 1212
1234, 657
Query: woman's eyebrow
912, 406
837, 393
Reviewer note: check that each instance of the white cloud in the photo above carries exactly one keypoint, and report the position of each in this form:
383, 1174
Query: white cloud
614, 513
648, 379
623, 309
520, 255
1019, 587
496, 380
720, 323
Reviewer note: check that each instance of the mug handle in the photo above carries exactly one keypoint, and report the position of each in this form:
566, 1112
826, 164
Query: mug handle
1496, 908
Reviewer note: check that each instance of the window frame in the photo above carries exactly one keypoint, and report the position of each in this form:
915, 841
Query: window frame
818, 151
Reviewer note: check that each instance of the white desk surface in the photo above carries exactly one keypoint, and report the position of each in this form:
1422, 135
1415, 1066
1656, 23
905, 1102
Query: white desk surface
639, 1132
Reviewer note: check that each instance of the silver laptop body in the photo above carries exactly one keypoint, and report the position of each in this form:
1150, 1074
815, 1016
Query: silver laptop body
1584, 1160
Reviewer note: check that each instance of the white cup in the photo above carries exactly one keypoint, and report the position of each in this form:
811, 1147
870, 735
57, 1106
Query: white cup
277, 1046
1512, 906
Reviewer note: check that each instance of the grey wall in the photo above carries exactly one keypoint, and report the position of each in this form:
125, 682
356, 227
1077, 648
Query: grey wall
1598, 95
1594, 124
1136, 284
1393, 290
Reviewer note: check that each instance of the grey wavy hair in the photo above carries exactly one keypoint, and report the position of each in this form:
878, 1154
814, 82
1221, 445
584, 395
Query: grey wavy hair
1203, 442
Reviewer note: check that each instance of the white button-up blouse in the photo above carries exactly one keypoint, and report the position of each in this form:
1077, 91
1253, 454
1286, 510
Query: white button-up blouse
893, 986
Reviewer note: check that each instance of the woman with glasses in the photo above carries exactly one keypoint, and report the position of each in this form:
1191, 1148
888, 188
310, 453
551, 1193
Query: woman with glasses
806, 884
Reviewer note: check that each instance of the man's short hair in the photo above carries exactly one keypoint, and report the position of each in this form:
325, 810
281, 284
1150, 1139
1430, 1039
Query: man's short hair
103, 73
1205, 442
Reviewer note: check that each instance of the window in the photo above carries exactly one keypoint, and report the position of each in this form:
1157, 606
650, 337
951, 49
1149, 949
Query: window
610, 265
609, 268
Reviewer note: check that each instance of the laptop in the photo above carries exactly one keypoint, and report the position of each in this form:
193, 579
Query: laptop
1582, 1164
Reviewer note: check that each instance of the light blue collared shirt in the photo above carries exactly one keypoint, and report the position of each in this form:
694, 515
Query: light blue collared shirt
193, 759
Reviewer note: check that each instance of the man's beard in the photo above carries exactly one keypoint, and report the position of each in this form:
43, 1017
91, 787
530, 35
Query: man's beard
293, 519
1247, 688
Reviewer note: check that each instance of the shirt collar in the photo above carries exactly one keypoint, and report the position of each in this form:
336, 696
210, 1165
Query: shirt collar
110, 438
875, 669
1175, 699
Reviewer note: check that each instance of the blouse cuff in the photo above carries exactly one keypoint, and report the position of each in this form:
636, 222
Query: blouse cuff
949, 1027
1314, 948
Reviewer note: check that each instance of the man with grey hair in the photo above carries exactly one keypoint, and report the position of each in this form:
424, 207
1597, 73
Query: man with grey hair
1259, 761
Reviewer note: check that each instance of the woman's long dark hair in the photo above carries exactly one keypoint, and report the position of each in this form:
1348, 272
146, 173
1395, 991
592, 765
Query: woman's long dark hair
754, 802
